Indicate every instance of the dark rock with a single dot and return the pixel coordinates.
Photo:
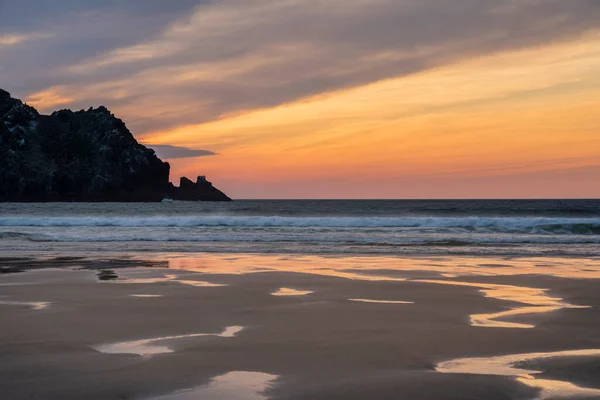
(99, 184)
(202, 190)
(80, 156)
(4, 94)
(107, 275)
(186, 184)
(9, 269)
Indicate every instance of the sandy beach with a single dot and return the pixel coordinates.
(299, 200)
(214, 326)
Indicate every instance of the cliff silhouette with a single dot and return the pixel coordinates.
(86, 155)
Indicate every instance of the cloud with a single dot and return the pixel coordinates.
(160, 65)
(48, 99)
(13, 39)
(77, 29)
(172, 152)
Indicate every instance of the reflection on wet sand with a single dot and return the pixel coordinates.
(423, 336)
(507, 366)
(34, 305)
(168, 278)
(490, 320)
(537, 302)
(291, 292)
(382, 301)
(247, 264)
(147, 347)
(233, 385)
(373, 268)
(353, 267)
(146, 295)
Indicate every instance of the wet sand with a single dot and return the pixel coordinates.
(412, 317)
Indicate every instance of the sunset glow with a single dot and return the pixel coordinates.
(498, 117)
(472, 120)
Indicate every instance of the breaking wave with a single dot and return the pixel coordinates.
(554, 226)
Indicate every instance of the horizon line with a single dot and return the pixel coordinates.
(425, 199)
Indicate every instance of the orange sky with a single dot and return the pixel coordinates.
(516, 124)
(498, 100)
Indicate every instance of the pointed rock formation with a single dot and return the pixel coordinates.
(202, 190)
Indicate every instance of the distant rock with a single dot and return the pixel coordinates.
(81, 156)
(202, 190)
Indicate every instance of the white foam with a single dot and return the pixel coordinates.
(512, 224)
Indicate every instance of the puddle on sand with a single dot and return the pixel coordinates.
(506, 366)
(374, 267)
(146, 347)
(146, 295)
(231, 386)
(291, 292)
(198, 283)
(536, 300)
(168, 278)
(34, 305)
(382, 301)
(490, 320)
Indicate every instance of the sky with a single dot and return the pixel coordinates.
(331, 98)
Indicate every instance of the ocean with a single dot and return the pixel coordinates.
(306, 299)
(569, 228)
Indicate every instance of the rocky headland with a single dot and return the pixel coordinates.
(86, 155)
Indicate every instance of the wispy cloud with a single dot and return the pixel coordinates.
(48, 99)
(227, 57)
(321, 89)
(173, 152)
(14, 39)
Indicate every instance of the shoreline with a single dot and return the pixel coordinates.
(321, 344)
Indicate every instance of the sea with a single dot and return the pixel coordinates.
(565, 228)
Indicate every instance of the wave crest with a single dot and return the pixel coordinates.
(579, 226)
